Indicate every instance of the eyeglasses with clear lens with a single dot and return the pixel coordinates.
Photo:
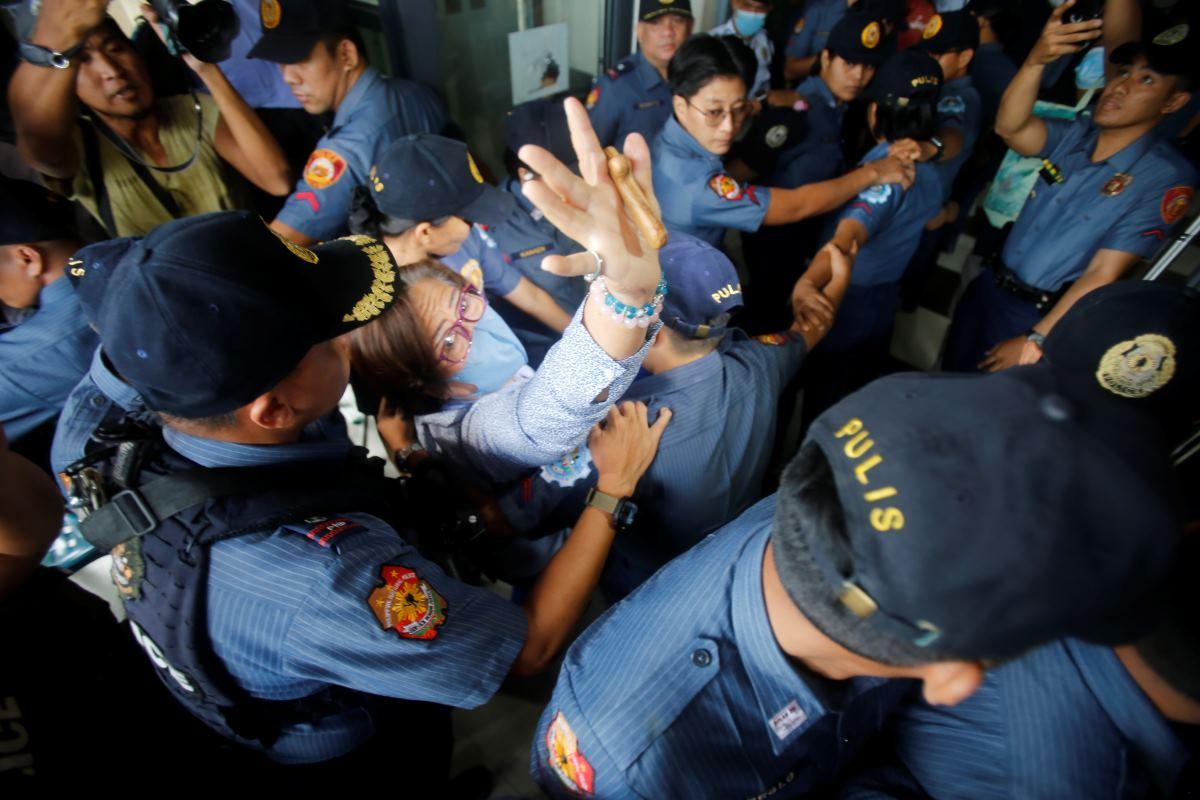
(455, 346)
(715, 116)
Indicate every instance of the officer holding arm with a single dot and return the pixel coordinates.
(633, 95)
(1111, 191)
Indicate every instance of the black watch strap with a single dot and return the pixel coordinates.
(45, 57)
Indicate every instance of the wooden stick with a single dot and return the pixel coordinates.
(635, 200)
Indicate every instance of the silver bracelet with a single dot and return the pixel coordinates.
(599, 267)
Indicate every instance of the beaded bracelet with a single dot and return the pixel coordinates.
(630, 315)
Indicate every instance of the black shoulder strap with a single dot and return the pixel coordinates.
(91, 155)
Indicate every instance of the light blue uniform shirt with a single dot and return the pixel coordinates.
(259, 82)
(288, 617)
(374, 113)
(681, 690)
(1066, 720)
(818, 155)
(100, 393)
(961, 108)
(697, 196)
(536, 418)
(710, 462)
(631, 97)
(812, 30)
(762, 47)
(42, 359)
(480, 261)
(894, 219)
(1138, 219)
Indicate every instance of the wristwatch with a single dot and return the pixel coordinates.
(621, 509)
(401, 456)
(45, 57)
(1037, 338)
(939, 144)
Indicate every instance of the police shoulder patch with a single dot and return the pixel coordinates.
(593, 96)
(472, 273)
(725, 186)
(951, 104)
(570, 469)
(877, 195)
(407, 604)
(324, 168)
(1176, 202)
(567, 762)
(1138, 367)
(773, 339)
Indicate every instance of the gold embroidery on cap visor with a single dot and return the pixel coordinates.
(1138, 367)
(271, 13)
(475, 173)
(297, 250)
(381, 293)
(871, 36)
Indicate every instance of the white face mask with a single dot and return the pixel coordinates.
(1055, 3)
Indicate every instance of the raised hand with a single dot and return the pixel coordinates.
(62, 24)
(1060, 39)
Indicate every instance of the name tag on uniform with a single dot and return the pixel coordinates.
(533, 251)
(787, 719)
(649, 104)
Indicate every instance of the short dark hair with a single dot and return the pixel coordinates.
(331, 39)
(915, 121)
(393, 356)
(702, 58)
(367, 218)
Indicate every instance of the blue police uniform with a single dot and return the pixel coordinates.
(1129, 202)
(375, 112)
(99, 396)
(959, 107)
(289, 616)
(818, 155)
(991, 72)
(630, 97)
(42, 359)
(524, 239)
(683, 691)
(762, 47)
(259, 82)
(479, 261)
(1066, 720)
(710, 461)
(812, 30)
(696, 194)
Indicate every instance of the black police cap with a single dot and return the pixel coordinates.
(950, 32)
(205, 314)
(291, 28)
(31, 213)
(426, 177)
(984, 515)
(543, 123)
(893, 11)
(652, 9)
(1170, 51)
(908, 78)
(858, 38)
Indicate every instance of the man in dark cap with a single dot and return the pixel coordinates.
(1123, 187)
(633, 95)
(43, 357)
(324, 62)
(907, 540)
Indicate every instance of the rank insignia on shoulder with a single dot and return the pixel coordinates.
(407, 604)
(725, 187)
(570, 469)
(1176, 202)
(1116, 184)
(1139, 367)
(593, 96)
(324, 530)
(566, 761)
(773, 339)
(324, 168)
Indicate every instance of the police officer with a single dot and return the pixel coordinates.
(633, 95)
(811, 32)
(43, 357)
(723, 388)
(1110, 193)
(324, 63)
(747, 21)
(709, 77)
(852, 54)
(526, 238)
(884, 224)
(304, 610)
(906, 541)
(1073, 718)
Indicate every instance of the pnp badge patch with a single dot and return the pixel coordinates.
(324, 168)
(933, 27)
(1116, 184)
(271, 13)
(799, 28)
(871, 35)
(593, 96)
(570, 469)
(1139, 367)
(772, 339)
(566, 761)
(407, 604)
(128, 569)
(1176, 203)
(1172, 36)
(475, 173)
(472, 273)
(725, 187)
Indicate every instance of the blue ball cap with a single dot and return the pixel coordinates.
(205, 314)
(908, 78)
(984, 516)
(702, 284)
(427, 177)
(950, 31)
(858, 38)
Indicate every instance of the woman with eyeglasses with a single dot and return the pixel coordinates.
(709, 78)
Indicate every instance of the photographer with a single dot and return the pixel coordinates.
(86, 118)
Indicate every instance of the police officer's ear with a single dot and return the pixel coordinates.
(965, 57)
(272, 412)
(347, 56)
(1180, 98)
(680, 104)
(826, 58)
(32, 264)
(948, 683)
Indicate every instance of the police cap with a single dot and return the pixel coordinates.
(950, 32)
(1170, 51)
(31, 213)
(652, 9)
(205, 314)
(1136, 342)
(858, 38)
(893, 11)
(426, 177)
(543, 123)
(291, 28)
(984, 515)
(704, 286)
(908, 78)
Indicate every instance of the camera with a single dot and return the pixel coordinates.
(206, 29)
(1084, 10)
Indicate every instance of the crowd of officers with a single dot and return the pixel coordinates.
(974, 582)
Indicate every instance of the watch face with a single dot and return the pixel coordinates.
(624, 515)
